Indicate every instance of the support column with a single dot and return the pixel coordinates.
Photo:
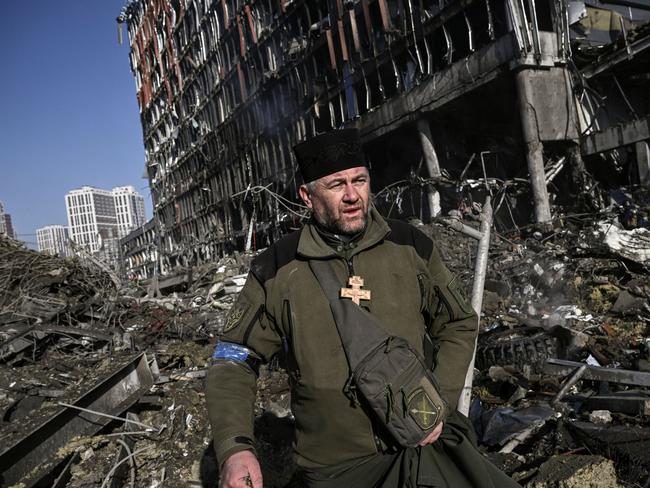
(643, 162)
(432, 163)
(534, 146)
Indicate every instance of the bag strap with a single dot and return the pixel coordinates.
(360, 331)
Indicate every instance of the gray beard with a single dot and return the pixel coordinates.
(339, 233)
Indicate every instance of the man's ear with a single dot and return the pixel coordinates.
(303, 191)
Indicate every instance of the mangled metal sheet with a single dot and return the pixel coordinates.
(32, 459)
(623, 376)
(32, 336)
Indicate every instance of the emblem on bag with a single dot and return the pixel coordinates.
(422, 409)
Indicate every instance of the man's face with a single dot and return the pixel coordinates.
(340, 200)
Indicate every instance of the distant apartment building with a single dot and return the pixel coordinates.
(129, 209)
(97, 219)
(6, 227)
(9, 227)
(53, 239)
(91, 217)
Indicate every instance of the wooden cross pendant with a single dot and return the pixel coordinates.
(355, 292)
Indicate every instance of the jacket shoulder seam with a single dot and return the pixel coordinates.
(405, 234)
(279, 254)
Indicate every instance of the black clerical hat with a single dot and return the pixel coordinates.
(329, 153)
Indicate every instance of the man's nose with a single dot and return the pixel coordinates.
(351, 194)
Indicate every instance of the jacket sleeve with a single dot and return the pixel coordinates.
(231, 379)
(454, 329)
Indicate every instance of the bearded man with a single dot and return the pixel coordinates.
(396, 279)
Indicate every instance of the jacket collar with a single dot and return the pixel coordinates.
(312, 245)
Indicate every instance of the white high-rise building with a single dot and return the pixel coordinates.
(92, 222)
(53, 239)
(98, 218)
(129, 209)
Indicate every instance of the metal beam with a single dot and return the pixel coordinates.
(560, 367)
(631, 405)
(617, 57)
(614, 137)
(461, 77)
(642, 4)
(31, 459)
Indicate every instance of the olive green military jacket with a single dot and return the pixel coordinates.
(283, 304)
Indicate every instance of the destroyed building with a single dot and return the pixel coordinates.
(140, 253)
(515, 92)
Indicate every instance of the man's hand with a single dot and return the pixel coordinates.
(241, 470)
(433, 436)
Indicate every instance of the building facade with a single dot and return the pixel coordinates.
(92, 219)
(53, 239)
(9, 227)
(441, 91)
(140, 253)
(3, 224)
(98, 218)
(129, 209)
(6, 225)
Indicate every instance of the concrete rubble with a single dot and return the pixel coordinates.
(577, 471)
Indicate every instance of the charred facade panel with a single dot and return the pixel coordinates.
(612, 58)
(140, 253)
(441, 90)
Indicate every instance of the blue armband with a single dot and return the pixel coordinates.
(233, 352)
(229, 351)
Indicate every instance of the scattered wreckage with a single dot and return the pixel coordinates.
(101, 382)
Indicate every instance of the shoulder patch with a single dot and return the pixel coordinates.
(234, 317)
(406, 235)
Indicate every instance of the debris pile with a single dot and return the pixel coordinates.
(38, 288)
(109, 376)
(561, 395)
(101, 384)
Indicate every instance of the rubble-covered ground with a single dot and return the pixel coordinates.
(578, 293)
